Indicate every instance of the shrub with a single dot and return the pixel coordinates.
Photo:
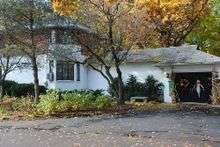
(18, 90)
(103, 102)
(76, 101)
(80, 100)
(49, 103)
(4, 114)
(134, 88)
(23, 104)
(151, 88)
(92, 93)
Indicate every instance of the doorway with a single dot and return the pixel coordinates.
(194, 87)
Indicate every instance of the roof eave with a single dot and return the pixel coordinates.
(185, 64)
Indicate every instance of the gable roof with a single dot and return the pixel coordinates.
(182, 55)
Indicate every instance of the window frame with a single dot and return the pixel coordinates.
(66, 71)
(78, 72)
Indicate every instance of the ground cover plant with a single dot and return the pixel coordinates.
(71, 104)
(55, 103)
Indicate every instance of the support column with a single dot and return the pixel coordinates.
(168, 87)
(215, 88)
(173, 91)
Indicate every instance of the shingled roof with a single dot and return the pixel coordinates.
(182, 55)
(55, 21)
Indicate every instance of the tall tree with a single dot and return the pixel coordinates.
(109, 43)
(207, 33)
(172, 20)
(22, 21)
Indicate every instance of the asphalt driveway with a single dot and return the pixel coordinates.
(185, 129)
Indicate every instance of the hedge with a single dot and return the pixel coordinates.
(18, 90)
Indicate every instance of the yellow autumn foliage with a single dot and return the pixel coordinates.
(168, 21)
(66, 7)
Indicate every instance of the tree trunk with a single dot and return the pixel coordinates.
(36, 80)
(114, 52)
(120, 86)
(3, 77)
(2, 86)
(121, 91)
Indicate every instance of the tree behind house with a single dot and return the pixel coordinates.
(169, 22)
(206, 34)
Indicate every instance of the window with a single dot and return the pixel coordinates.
(63, 37)
(65, 70)
(78, 71)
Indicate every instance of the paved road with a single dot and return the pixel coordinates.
(186, 129)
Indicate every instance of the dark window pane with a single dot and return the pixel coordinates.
(59, 71)
(65, 70)
(71, 72)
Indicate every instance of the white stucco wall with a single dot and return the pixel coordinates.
(140, 70)
(70, 84)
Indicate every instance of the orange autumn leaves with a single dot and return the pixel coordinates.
(66, 7)
(168, 21)
(70, 7)
(171, 8)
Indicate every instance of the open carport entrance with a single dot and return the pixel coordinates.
(194, 87)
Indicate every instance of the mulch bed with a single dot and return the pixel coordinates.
(202, 107)
(116, 110)
(119, 110)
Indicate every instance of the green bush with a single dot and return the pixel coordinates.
(76, 101)
(23, 104)
(103, 102)
(49, 103)
(94, 93)
(18, 90)
(4, 113)
(151, 88)
(134, 88)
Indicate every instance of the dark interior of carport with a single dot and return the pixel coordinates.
(186, 86)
